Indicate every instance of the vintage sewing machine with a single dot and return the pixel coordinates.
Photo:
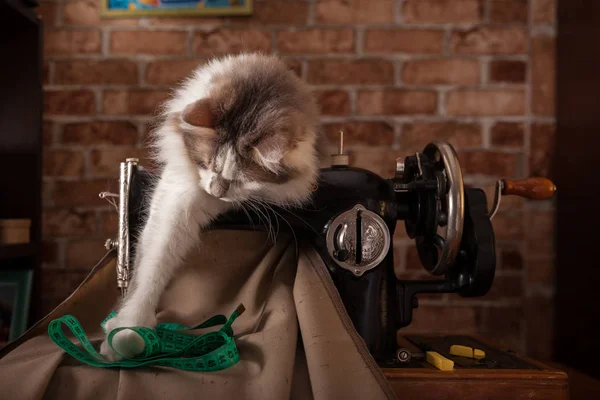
(351, 221)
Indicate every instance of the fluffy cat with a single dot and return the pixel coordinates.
(239, 128)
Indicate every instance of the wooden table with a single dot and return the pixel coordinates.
(424, 382)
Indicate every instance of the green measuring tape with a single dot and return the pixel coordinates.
(167, 345)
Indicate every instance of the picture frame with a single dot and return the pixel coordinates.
(15, 300)
(174, 8)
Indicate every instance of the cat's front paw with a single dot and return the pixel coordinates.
(125, 343)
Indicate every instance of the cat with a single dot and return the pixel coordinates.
(239, 128)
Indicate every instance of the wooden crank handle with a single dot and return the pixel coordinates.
(530, 188)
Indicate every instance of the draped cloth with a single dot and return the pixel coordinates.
(295, 338)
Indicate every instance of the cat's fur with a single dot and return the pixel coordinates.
(239, 128)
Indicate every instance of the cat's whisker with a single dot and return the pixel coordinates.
(241, 205)
(291, 229)
(288, 224)
(299, 218)
(264, 220)
(268, 208)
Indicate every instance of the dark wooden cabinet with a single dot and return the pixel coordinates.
(577, 175)
(21, 99)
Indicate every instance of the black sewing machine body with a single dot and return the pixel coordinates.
(354, 209)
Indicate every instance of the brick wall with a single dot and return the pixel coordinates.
(392, 74)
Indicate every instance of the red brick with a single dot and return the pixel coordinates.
(415, 136)
(508, 227)
(413, 261)
(540, 272)
(361, 133)
(46, 73)
(148, 42)
(544, 11)
(508, 11)
(48, 192)
(109, 223)
(511, 259)
(60, 283)
(333, 102)
(442, 11)
(486, 102)
(540, 237)
(508, 134)
(316, 41)
(170, 72)
(346, 72)
(488, 163)
(87, 13)
(62, 42)
(355, 11)
(442, 71)
(449, 320)
(48, 134)
(294, 65)
(503, 325)
(193, 22)
(539, 320)
(100, 133)
(417, 41)
(543, 142)
(228, 41)
(47, 12)
(84, 253)
(381, 162)
(69, 102)
(68, 223)
(514, 203)
(87, 72)
(397, 102)
(49, 252)
(105, 163)
(83, 193)
(508, 71)
(490, 40)
(504, 319)
(505, 287)
(543, 71)
(63, 163)
(133, 102)
(276, 12)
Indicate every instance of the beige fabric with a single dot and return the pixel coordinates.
(295, 338)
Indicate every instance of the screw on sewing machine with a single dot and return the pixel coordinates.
(110, 244)
(404, 355)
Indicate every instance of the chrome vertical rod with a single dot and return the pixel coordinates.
(123, 270)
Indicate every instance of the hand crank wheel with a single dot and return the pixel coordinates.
(451, 199)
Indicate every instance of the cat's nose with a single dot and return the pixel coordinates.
(219, 186)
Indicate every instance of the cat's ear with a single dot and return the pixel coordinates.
(200, 114)
(270, 150)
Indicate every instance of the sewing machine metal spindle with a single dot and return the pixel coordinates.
(121, 243)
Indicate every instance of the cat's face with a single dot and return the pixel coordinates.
(253, 136)
(240, 170)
